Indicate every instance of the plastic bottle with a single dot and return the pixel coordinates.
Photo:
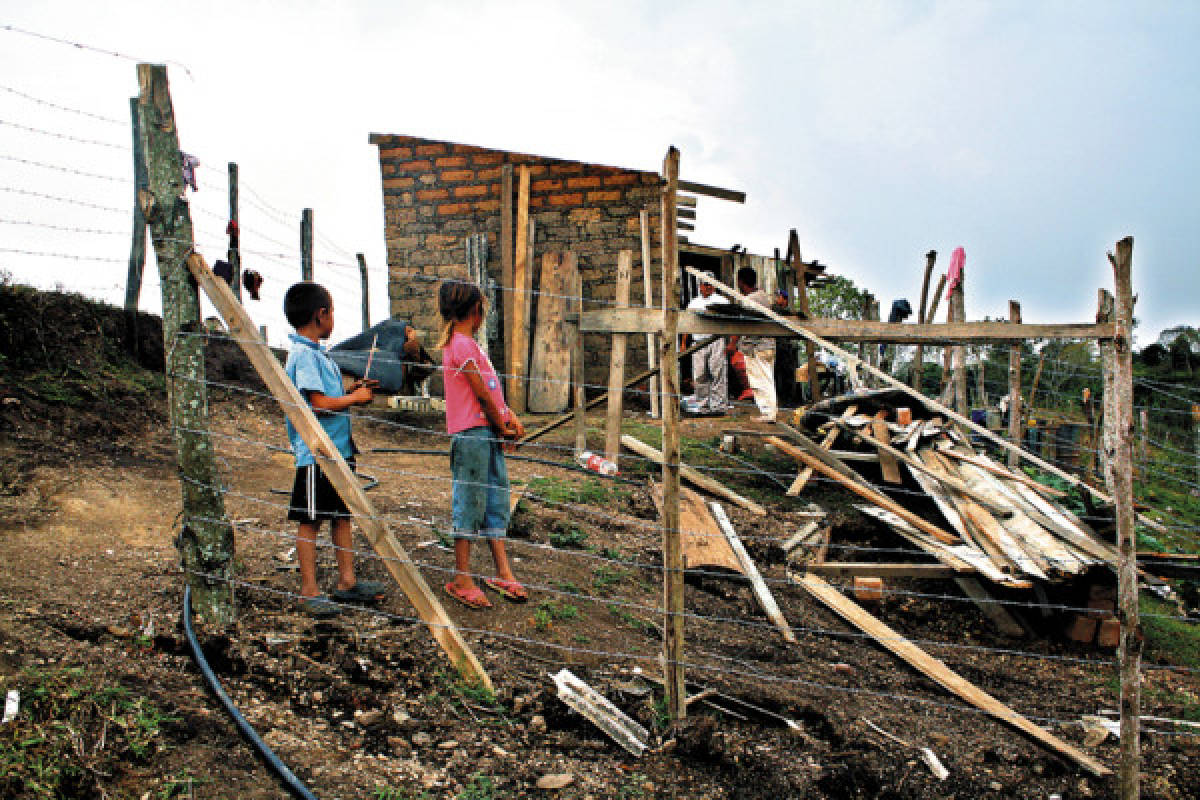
(596, 463)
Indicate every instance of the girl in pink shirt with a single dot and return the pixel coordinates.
(481, 426)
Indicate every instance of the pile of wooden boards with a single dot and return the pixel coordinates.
(989, 520)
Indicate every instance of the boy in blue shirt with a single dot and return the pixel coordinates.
(309, 309)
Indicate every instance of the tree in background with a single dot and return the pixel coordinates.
(838, 298)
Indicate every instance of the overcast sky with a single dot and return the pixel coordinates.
(1034, 134)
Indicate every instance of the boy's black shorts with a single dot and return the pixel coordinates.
(313, 497)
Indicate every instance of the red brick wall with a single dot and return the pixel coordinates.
(436, 193)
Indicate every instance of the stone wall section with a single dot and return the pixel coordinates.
(436, 193)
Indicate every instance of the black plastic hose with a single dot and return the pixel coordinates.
(285, 775)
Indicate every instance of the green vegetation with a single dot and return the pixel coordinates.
(629, 619)
(390, 793)
(550, 611)
(480, 787)
(588, 491)
(604, 578)
(567, 536)
(1172, 640)
(72, 731)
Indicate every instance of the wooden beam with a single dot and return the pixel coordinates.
(866, 492)
(685, 200)
(394, 557)
(648, 296)
(939, 673)
(1005, 622)
(919, 356)
(731, 195)
(850, 569)
(685, 213)
(765, 599)
(366, 294)
(673, 609)
(577, 376)
(506, 262)
(306, 240)
(641, 320)
(694, 477)
(793, 249)
(234, 251)
(827, 443)
(1119, 382)
(137, 246)
(1014, 385)
(1049, 491)
(616, 362)
(520, 317)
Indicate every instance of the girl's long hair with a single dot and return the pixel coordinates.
(456, 301)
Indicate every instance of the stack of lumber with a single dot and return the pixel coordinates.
(989, 520)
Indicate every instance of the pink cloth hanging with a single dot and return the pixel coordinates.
(954, 275)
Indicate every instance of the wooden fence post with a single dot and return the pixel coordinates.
(918, 362)
(506, 264)
(519, 335)
(648, 283)
(672, 542)
(1121, 435)
(1196, 438)
(1144, 434)
(959, 310)
(137, 249)
(616, 364)
(1014, 386)
(234, 253)
(366, 296)
(206, 536)
(577, 373)
(1108, 398)
(801, 278)
(306, 234)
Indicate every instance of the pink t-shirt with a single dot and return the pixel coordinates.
(463, 409)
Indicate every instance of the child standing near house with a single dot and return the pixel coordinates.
(480, 423)
(308, 307)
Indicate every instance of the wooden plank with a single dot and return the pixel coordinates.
(550, 358)
(521, 301)
(827, 443)
(616, 363)
(577, 376)
(648, 294)
(694, 477)
(673, 652)
(996, 469)
(765, 599)
(801, 278)
(940, 674)
(996, 613)
(701, 539)
(918, 364)
(850, 569)
(712, 191)
(506, 260)
(865, 492)
(394, 557)
(557, 422)
(306, 238)
(365, 289)
(137, 247)
(641, 320)
(887, 454)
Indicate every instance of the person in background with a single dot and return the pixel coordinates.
(480, 423)
(759, 351)
(308, 307)
(710, 373)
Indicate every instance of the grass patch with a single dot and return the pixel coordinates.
(588, 491)
(71, 732)
(549, 612)
(567, 536)
(604, 578)
(629, 619)
(1174, 641)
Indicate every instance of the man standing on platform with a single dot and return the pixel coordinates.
(710, 374)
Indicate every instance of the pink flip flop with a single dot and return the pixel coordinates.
(510, 590)
(471, 598)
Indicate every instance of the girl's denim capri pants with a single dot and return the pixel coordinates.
(480, 506)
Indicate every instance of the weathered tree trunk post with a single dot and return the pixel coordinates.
(1014, 386)
(958, 308)
(1196, 438)
(306, 234)
(1121, 437)
(616, 364)
(137, 249)
(234, 255)
(1108, 399)
(577, 375)
(1144, 433)
(206, 537)
(672, 543)
(918, 362)
(366, 295)
(801, 278)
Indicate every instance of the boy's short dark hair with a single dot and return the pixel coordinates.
(303, 300)
(748, 276)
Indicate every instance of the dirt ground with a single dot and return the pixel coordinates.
(367, 706)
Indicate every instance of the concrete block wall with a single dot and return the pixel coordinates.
(436, 193)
